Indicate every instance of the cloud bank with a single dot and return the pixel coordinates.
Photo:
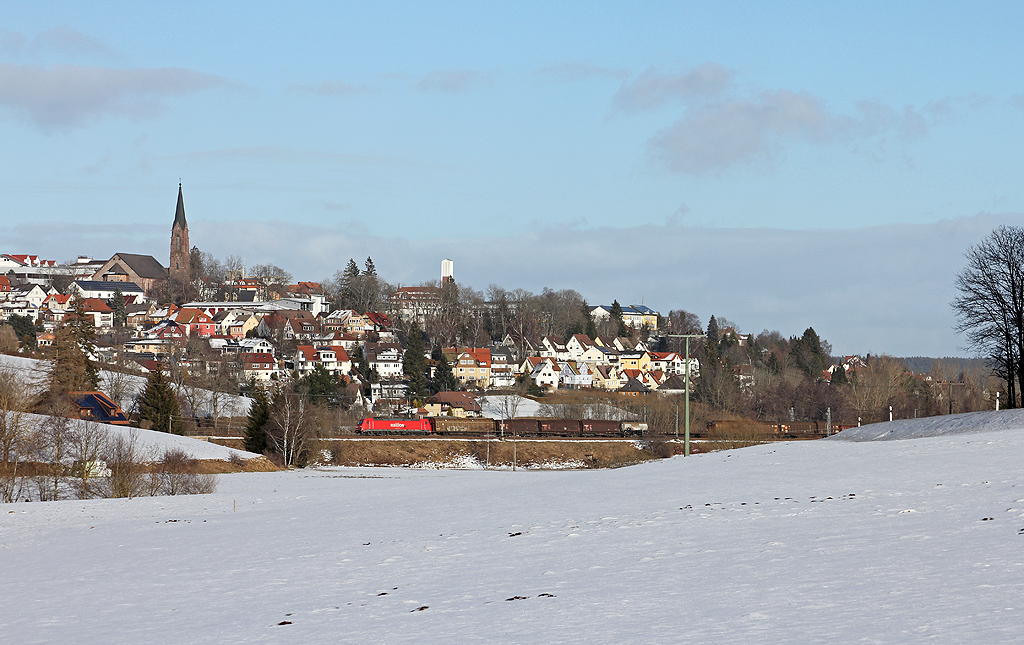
(70, 96)
(723, 126)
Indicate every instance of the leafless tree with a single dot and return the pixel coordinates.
(288, 429)
(990, 307)
(88, 442)
(15, 398)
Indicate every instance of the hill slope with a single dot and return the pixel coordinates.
(884, 541)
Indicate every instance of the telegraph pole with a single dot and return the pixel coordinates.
(686, 400)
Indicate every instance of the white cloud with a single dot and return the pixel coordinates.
(67, 40)
(68, 96)
(579, 71)
(713, 137)
(652, 89)
(453, 81)
(332, 88)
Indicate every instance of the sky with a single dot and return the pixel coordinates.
(783, 165)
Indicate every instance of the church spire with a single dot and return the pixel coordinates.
(179, 213)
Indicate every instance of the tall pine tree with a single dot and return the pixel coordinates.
(414, 364)
(158, 404)
(256, 425)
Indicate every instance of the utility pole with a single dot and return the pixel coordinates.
(686, 400)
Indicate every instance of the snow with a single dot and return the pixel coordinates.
(35, 371)
(152, 443)
(971, 422)
(815, 541)
(495, 407)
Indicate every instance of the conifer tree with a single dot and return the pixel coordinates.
(444, 380)
(616, 312)
(72, 369)
(117, 305)
(158, 404)
(256, 425)
(414, 363)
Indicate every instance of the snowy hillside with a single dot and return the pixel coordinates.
(818, 541)
(35, 371)
(971, 422)
(152, 444)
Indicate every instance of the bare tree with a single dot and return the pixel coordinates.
(88, 442)
(288, 429)
(15, 399)
(990, 307)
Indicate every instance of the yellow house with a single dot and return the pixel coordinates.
(634, 361)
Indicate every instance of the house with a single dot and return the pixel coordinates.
(605, 377)
(455, 404)
(102, 315)
(633, 316)
(472, 365)
(307, 357)
(236, 322)
(97, 406)
(195, 322)
(632, 360)
(574, 375)
(577, 346)
(143, 270)
(416, 303)
(386, 358)
(546, 374)
(673, 363)
(553, 347)
(634, 387)
(105, 290)
(260, 367)
(503, 368)
(312, 291)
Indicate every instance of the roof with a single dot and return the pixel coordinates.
(456, 400)
(103, 285)
(179, 212)
(97, 406)
(145, 266)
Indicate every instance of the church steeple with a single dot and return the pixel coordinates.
(179, 268)
(179, 213)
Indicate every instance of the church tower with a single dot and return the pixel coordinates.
(180, 265)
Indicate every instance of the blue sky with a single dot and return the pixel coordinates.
(779, 164)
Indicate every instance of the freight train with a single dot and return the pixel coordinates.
(482, 427)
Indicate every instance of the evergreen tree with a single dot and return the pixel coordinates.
(839, 375)
(809, 354)
(444, 379)
(72, 369)
(318, 386)
(350, 283)
(256, 426)
(713, 335)
(616, 311)
(414, 363)
(117, 306)
(158, 404)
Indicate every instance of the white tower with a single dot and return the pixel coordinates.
(447, 271)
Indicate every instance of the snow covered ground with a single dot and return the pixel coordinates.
(495, 407)
(34, 371)
(152, 444)
(818, 541)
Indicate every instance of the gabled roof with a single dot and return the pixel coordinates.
(106, 285)
(633, 385)
(456, 400)
(97, 406)
(145, 266)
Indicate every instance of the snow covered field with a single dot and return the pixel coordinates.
(819, 541)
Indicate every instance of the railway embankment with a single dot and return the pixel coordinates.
(434, 452)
